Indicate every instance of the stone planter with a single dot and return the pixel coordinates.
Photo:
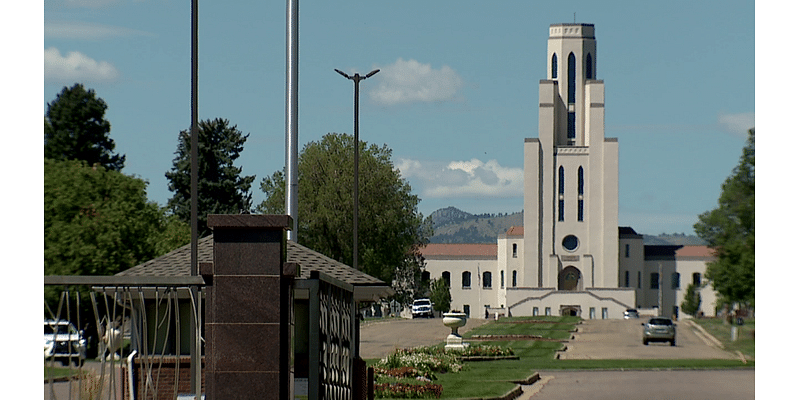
(455, 321)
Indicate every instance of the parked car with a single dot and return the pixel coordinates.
(422, 308)
(630, 313)
(63, 342)
(658, 329)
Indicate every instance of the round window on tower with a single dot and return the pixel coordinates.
(570, 243)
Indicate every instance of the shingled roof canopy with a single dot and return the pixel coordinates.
(177, 263)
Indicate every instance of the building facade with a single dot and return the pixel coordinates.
(571, 257)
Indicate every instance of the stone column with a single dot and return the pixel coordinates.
(249, 313)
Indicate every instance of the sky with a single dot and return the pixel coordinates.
(456, 95)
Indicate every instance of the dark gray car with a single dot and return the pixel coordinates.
(658, 329)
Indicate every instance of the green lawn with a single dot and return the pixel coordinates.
(746, 342)
(495, 378)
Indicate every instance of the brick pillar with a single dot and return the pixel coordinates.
(249, 309)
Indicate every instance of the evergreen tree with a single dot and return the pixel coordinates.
(440, 295)
(731, 230)
(75, 128)
(220, 185)
(691, 300)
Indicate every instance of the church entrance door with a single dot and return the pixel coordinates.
(569, 279)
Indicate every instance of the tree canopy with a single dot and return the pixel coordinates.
(221, 187)
(99, 222)
(75, 128)
(391, 230)
(440, 295)
(731, 230)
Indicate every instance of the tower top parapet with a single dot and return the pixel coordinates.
(585, 31)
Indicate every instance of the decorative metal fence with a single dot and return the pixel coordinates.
(332, 338)
(140, 328)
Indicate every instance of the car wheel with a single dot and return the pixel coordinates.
(672, 342)
(644, 342)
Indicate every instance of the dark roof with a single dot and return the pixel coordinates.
(628, 232)
(660, 252)
(177, 263)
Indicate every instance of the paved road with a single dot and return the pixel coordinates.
(378, 339)
(622, 339)
(707, 385)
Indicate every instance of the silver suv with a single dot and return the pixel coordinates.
(658, 329)
(63, 342)
(422, 308)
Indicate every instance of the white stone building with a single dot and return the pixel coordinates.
(572, 258)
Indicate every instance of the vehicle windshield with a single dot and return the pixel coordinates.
(422, 302)
(660, 321)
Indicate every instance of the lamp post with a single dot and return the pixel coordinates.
(356, 78)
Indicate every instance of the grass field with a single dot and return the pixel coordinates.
(746, 341)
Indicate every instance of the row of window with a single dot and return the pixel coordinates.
(486, 281)
(561, 193)
(654, 280)
(571, 74)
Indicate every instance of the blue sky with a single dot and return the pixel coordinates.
(455, 98)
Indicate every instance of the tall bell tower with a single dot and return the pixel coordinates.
(571, 172)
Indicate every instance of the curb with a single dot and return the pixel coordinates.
(699, 329)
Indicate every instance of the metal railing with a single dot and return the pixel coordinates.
(136, 323)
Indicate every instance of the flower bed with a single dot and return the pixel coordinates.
(422, 364)
(408, 391)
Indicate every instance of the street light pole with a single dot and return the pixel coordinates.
(356, 78)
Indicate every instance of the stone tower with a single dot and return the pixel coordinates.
(571, 173)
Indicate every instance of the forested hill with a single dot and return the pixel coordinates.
(452, 225)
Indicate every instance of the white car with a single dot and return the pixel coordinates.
(63, 342)
(422, 308)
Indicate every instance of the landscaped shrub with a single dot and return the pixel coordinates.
(408, 391)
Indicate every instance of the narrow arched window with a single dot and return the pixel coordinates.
(561, 193)
(571, 78)
(580, 193)
(487, 280)
(554, 66)
(514, 278)
(446, 277)
(589, 67)
(466, 279)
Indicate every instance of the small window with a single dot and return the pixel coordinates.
(466, 279)
(627, 251)
(604, 312)
(592, 313)
(638, 279)
(676, 280)
(571, 128)
(514, 278)
(654, 280)
(554, 66)
(547, 311)
(535, 311)
(446, 277)
(502, 279)
(696, 279)
(589, 67)
(627, 279)
(561, 193)
(514, 250)
(487, 280)
(466, 310)
(571, 78)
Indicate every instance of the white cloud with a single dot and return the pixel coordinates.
(472, 178)
(737, 124)
(410, 81)
(76, 66)
(87, 30)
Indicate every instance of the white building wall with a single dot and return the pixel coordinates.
(475, 296)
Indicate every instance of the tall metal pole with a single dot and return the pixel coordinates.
(356, 79)
(292, 10)
(355, 172)
(195, 369)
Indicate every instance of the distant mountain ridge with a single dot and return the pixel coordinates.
(451, 225)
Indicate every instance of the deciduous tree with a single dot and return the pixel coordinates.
(691, 300)
(221, 187)
(731, 230)
(75, 128)
(391, 230)
(440, 295)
